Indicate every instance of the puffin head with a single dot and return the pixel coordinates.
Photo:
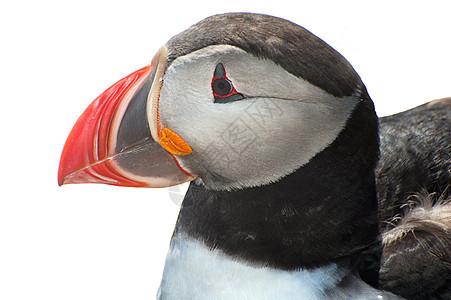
(236, 101)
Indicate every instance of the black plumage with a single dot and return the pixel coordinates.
(415, 156)
(413, 183)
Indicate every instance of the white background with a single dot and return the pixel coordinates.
(103, 242)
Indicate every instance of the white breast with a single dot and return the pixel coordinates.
(193, 271)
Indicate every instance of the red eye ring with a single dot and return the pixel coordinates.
(222, 87)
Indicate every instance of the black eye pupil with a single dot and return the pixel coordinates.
(222, 86)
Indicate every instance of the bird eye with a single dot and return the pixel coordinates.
(222, 87)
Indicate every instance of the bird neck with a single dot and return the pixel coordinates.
(323, 212)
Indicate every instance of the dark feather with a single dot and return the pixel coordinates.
(413, 178)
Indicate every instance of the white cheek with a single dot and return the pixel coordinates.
(253, 141)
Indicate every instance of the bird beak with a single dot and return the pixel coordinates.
(119, 139)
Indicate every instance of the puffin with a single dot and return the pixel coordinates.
(279, 139)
